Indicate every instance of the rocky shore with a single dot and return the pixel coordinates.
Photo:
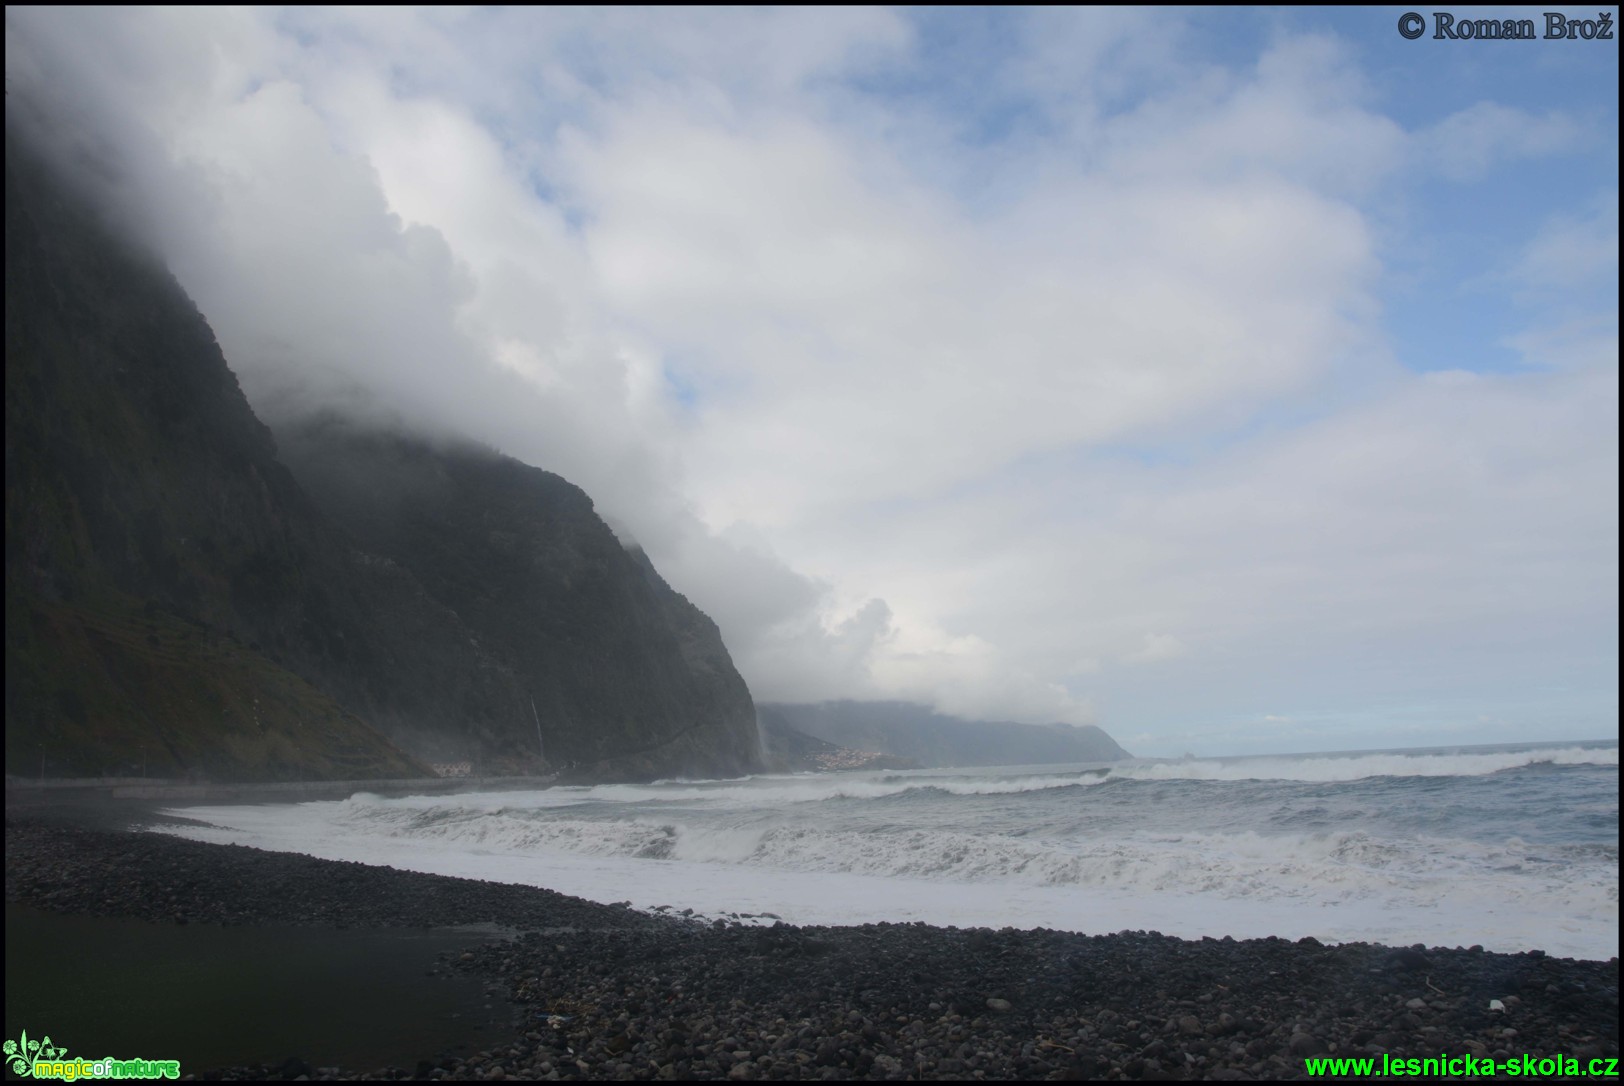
(598, 991)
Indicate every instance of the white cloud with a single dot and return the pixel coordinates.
(1156, 647)
(1467, 144)
(1574, 252)
(1568, 275)
(915, 398)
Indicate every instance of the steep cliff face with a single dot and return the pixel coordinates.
(163, 592)
(174, 598)
(622, 675)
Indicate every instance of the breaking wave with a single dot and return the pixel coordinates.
(1321, 867)
(821, 788)
(1512, 848)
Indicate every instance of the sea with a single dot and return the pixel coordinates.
(1511, 847)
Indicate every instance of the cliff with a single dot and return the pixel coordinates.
(176, 602)
(622, 675)
(932, 739)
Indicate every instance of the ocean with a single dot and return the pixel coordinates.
(1509, 847)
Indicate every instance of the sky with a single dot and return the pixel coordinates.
(1238, 381)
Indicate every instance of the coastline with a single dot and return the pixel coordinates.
(583, 990)
(134, 797)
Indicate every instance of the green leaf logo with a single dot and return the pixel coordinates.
(21, 1054)
(17, 1053)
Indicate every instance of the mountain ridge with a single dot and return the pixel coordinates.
(932, 739)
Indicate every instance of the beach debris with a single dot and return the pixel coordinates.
(1496, 1005)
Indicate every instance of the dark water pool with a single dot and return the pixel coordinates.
(213, 996)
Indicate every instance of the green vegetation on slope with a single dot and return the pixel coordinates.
(112, 686)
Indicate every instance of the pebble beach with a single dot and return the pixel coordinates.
(584, 990)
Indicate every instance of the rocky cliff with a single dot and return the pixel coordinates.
(932, 739)
(177, 603)
(622, 675)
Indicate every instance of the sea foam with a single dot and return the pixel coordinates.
(1511, 849)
